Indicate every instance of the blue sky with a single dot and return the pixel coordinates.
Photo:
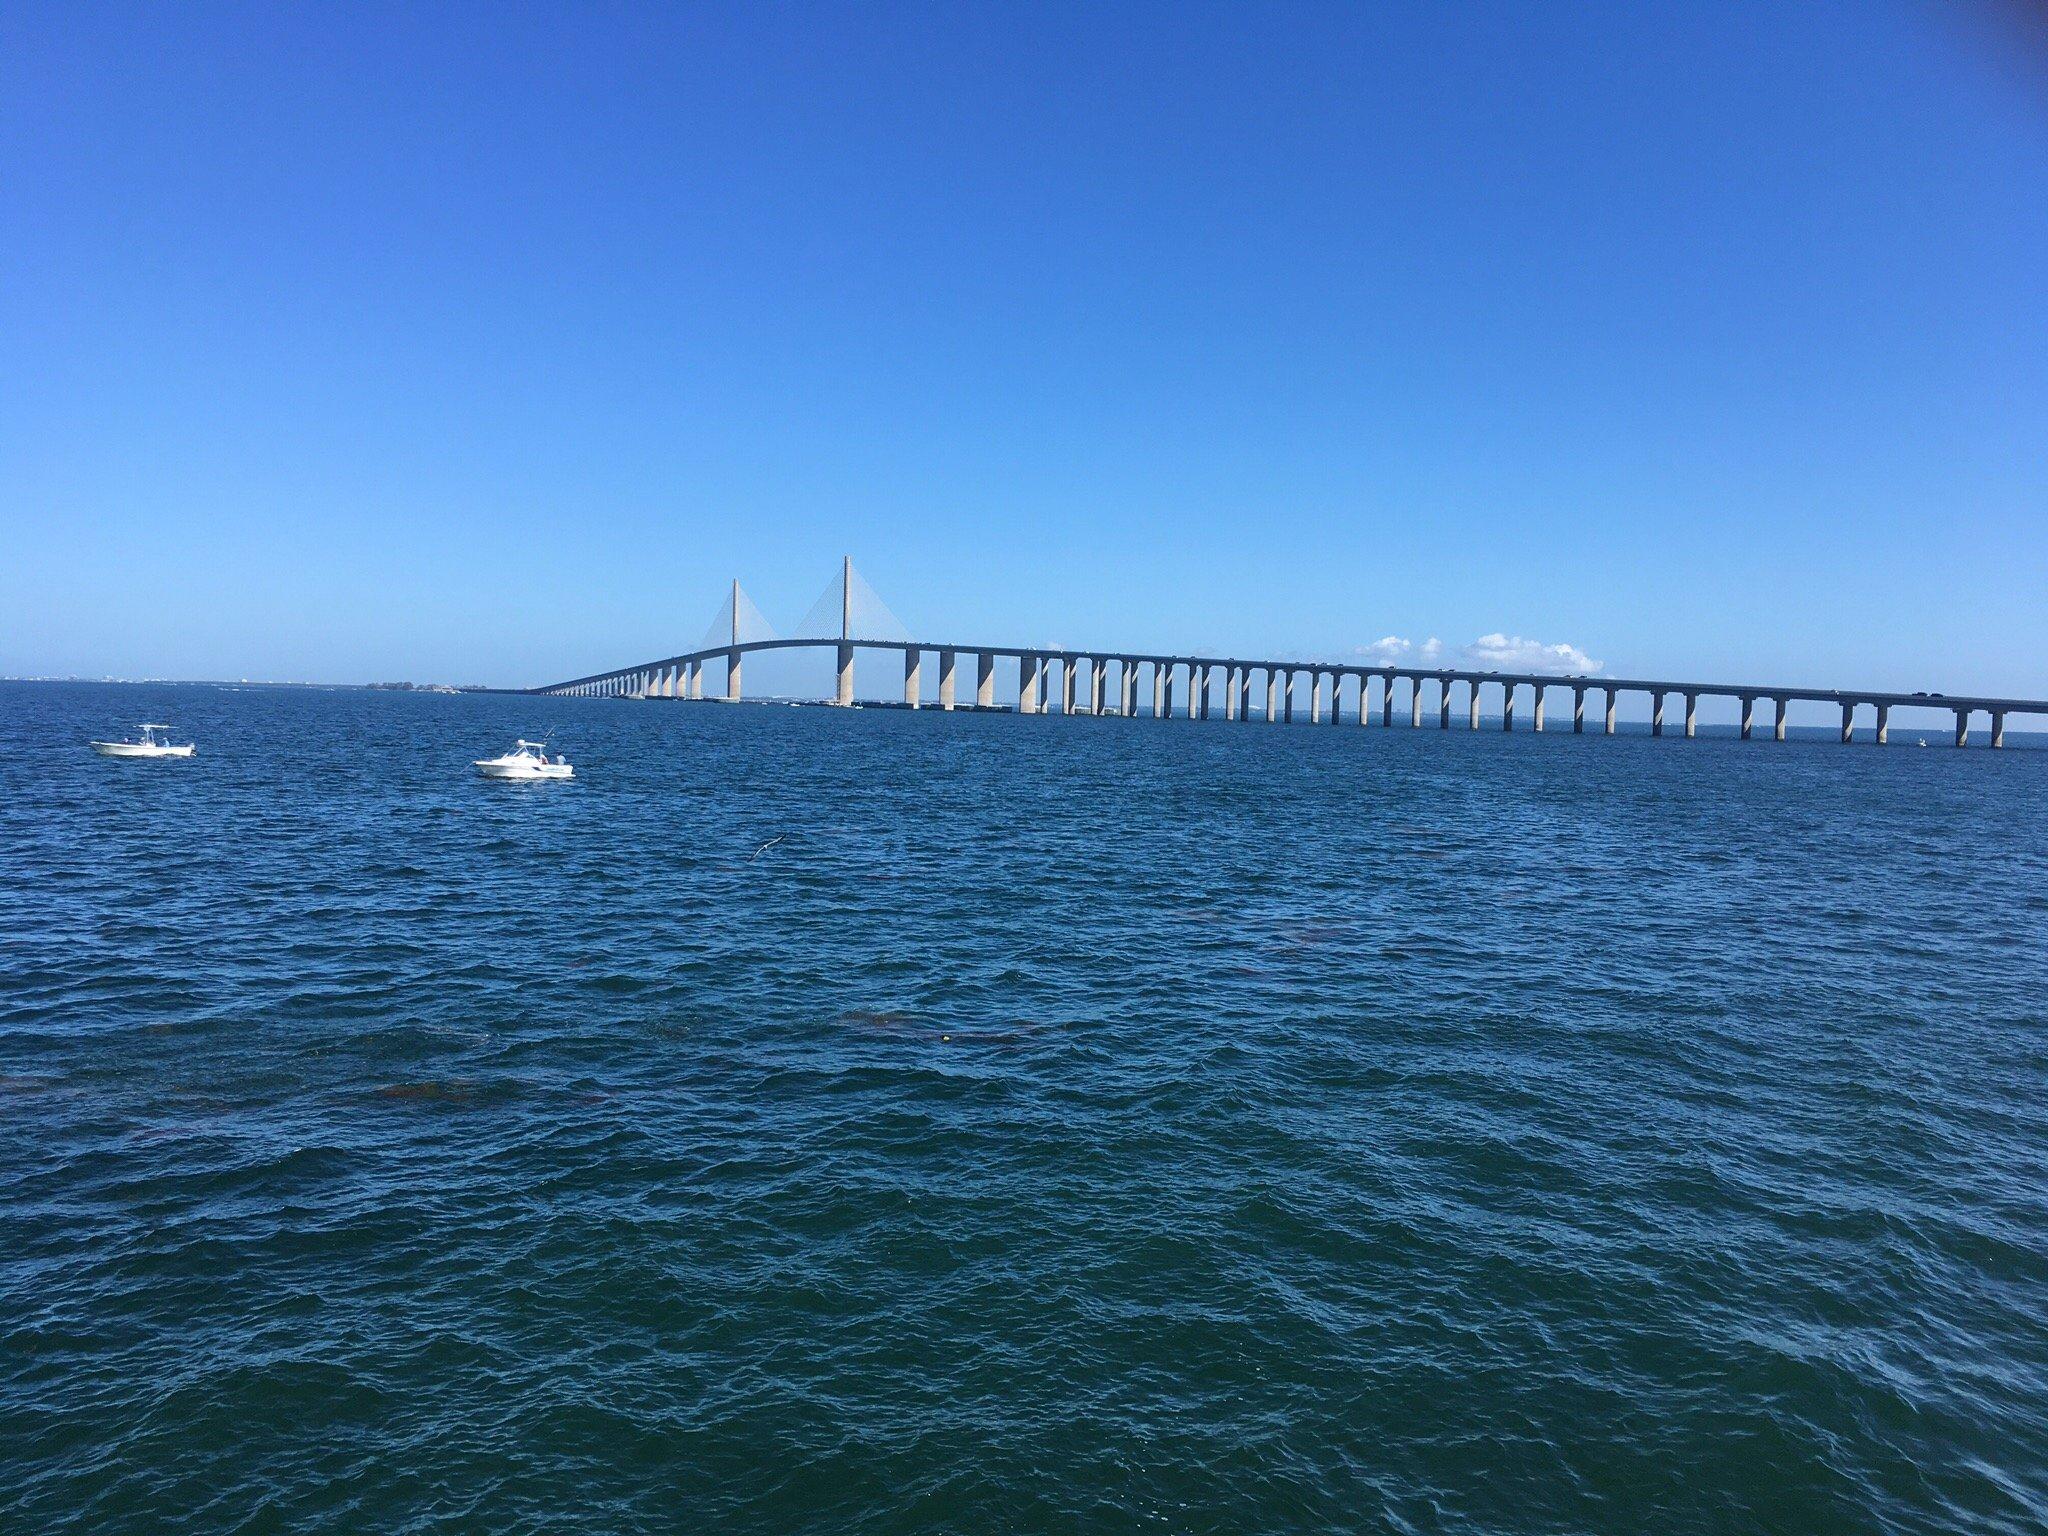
(488, 343)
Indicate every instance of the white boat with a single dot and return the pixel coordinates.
(526, 760)
(154, 741)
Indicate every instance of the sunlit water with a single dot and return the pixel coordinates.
(864, 1122)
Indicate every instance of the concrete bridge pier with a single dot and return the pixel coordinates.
(1748, 714)
(985, 679)
(1230, 693)
(1315, 698)
(1778, 730)
(1443, 703)
(1692, 715)
(1962, 727)
(1027, 685)
(1244, 694)
(1507, 706)
(1127, 679)
(1098, 683)
(1162, 682)
(1998, 727)
(732, 676)
(1387, 701)
(1068, 680)
(1656, 714)
(913, 676)
(1536, 713)
(1578, 711)
(947, 659)
(1884, 724)
(1472, 705)
(1272, 695)
(844, 697)
(1414, 703)
(1610, 711)
(1287, 696)
(1848, 721)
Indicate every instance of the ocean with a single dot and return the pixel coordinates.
(872, 1122)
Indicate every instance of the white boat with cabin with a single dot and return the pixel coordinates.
(526, 760)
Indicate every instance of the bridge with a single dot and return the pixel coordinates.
(1075, 682)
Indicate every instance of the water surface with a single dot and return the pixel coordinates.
(864, 1122)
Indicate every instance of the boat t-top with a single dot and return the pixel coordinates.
(526, 760)
(152, 741)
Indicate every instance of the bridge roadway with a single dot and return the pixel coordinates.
(682, 676)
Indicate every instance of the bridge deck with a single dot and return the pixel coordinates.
(1850, 697)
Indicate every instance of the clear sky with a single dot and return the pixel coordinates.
(488, 343)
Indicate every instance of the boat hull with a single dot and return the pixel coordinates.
(138, 749)
(511, 771)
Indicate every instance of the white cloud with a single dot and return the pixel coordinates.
(1515, 653)
(1495, 653)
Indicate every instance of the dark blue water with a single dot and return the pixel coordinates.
(864, 1122)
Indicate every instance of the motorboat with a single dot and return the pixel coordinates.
(151, 741)
(526, 760)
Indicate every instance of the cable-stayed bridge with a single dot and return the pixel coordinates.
(850, 617)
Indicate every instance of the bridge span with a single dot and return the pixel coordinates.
(1113, 683)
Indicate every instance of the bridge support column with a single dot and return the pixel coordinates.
(1287, 696)
(1507, 706)
(1127, 677)
(1414, 703)
(947, 659)
(1748, 714)
(1443, 704)
(1098, 683)
(1962, 727)
(1692, 715)
(1387, 701)
(1472, 704)
(1578, 711)
(1998, 727)
(1848, 721)
(1884, 724)
(845, 696)
(1027, 685)
(1069, 683)
(1536, 714)
(1610, 711)
(1272, 694)
(1778, 730)
(913, 676)
(1315, 698)
(1656, 714)
(1244, 693)
(732, 676)
(984, 680)
(1162, 688)
(1230, 693)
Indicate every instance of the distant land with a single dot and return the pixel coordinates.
(262, 682)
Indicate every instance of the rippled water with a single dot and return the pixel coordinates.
(863, 1122)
